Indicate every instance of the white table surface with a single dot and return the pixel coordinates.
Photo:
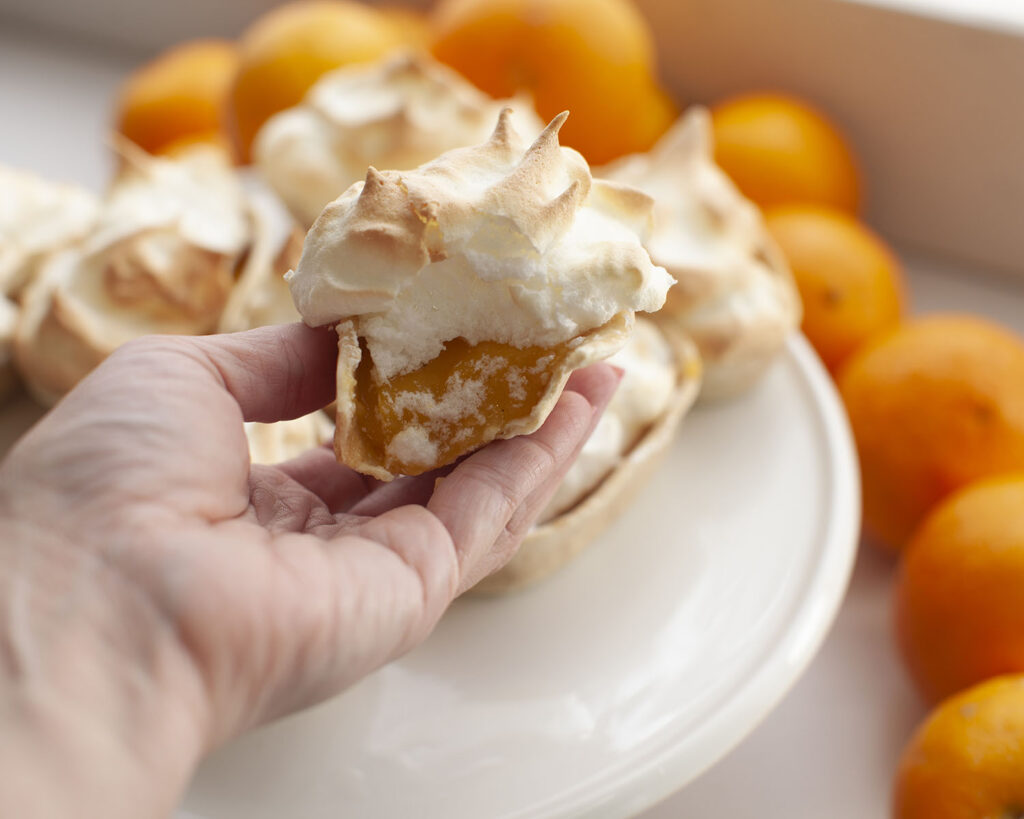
(830, 748)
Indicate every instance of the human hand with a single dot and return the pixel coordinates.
(161, 594)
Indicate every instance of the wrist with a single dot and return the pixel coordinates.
(101, 714)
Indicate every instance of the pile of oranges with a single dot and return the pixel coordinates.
(595, 57)
(936, 404)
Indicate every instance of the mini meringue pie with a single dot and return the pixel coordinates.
(466, 291)
(735, 294)
(37, 216)
(661, 378)
(284, 440)
(261, 296)
(397, 113)
(161, 259)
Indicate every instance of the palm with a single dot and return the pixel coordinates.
(280, 584)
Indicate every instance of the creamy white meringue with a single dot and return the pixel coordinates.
(284, 440)
(735, 294)
(160, 260)
(37, 216)
(650, 375)
(503, 243)
(397, 113)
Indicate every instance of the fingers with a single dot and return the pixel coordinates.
(274, 373)
(402, 491)
(493, 496)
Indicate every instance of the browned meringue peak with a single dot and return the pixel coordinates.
(284, 440)
(37, 216)
(467, 291)
(397, 113)
(735, 294)
(261, 296)
(162, 259)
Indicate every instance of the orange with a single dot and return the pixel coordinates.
(850, 282)
(967, 760)
(934, 405)
(413, 26)
(593, 58)
(960, 592)
(178, 98)
(286, 50)
(779, 150)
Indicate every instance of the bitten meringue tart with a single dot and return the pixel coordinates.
(466, 291)
(735, 294)
(397, 113)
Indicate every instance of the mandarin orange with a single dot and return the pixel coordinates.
(934, 405)
(967, 760)
(850, 282)
(178, 98)
(780, 150)
(594, 58)
(288, 49)
(960, 591)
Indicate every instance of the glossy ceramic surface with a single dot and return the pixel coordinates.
(615, 682)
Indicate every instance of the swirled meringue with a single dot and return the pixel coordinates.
(397, 113)
(467, 291)
(161, 259)
(735, 295)
(37, 216)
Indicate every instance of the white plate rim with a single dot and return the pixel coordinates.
(667, 769)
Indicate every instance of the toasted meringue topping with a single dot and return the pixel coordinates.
(500, 242)
(196, 195)
(398, 113)
(161, 260)
(465, 293)
(37, 216)
(735, 294)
